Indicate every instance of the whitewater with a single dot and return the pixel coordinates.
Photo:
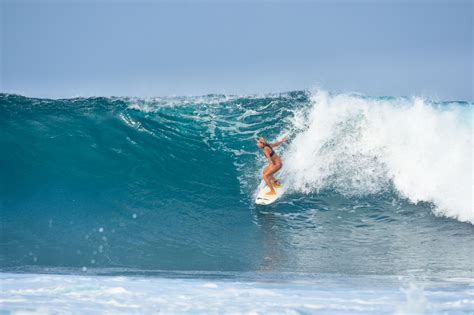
(132, 205)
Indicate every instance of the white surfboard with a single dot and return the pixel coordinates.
(264, 199)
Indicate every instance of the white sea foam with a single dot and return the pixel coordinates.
(358, 146)
(89, 294)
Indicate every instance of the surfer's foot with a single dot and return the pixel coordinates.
(274, 181)
(271, 193)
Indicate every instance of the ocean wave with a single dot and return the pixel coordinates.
(169, 183)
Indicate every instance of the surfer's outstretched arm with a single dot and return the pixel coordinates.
(275, 144)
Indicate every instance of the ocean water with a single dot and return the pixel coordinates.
(129, 205)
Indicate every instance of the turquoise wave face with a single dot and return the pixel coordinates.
(169, 184)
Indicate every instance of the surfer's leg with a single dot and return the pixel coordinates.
(266, 169)
(271, 171)
(275, 181)
(266, 178)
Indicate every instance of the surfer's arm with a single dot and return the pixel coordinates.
(275, 144)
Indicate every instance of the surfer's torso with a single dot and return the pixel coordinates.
(273, 156)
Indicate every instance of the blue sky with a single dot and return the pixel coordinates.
(154, 48)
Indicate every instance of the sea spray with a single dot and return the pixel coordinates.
(358, 145)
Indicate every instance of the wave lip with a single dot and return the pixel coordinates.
(360, 145)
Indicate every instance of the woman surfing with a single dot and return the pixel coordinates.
(274, 163)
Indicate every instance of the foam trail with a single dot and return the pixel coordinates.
(358, 146)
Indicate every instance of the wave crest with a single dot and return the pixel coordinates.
(359, 145)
